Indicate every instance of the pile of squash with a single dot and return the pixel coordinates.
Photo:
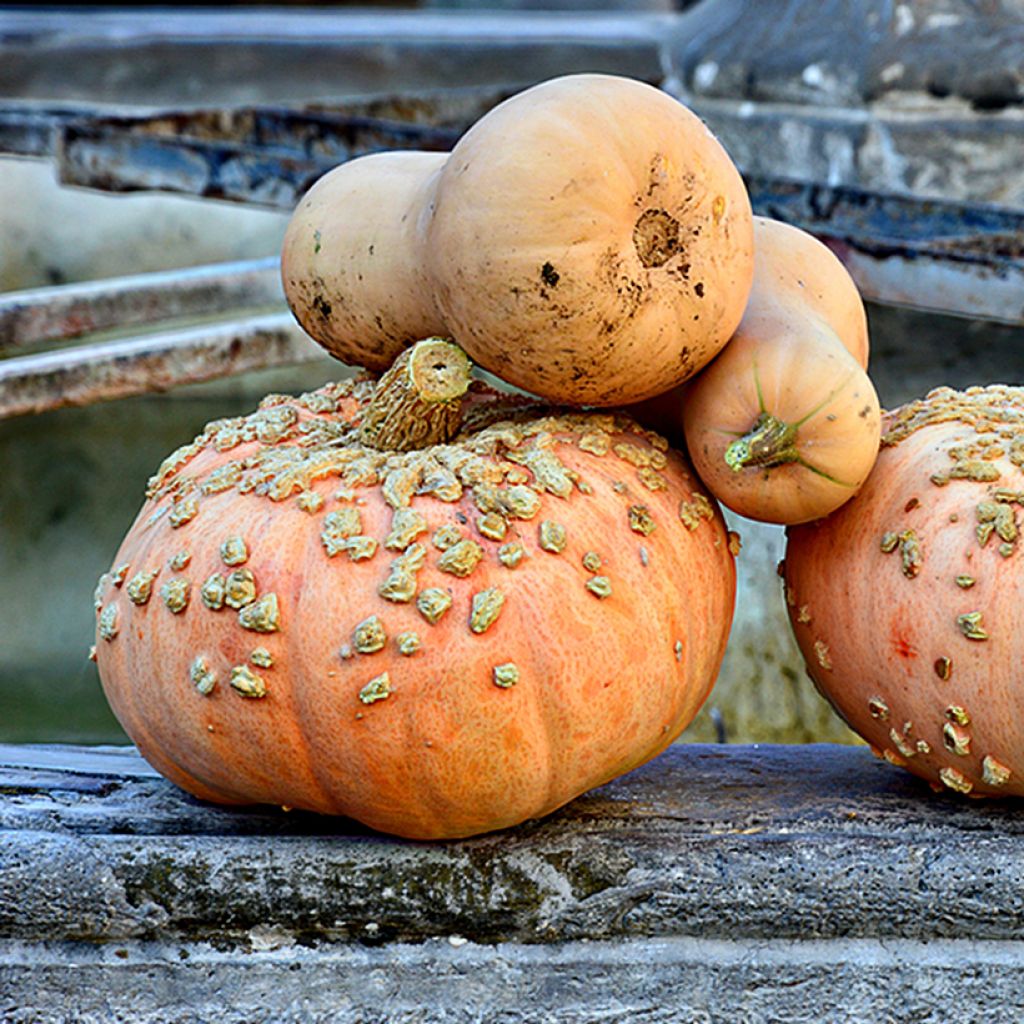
(443, 607)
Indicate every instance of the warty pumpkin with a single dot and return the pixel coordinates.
(783, 426)
(352, 260)
(906, 601)
(339, 603)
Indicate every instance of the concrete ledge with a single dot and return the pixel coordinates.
(295, 56)
(653, 981)
(932, 149)
(854, 52)
(926, 98)
(784, 883)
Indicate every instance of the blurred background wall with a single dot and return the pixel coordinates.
(923, 98)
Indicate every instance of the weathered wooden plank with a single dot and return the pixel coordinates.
(745, 884)
(52, 761)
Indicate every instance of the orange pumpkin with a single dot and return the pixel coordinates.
(783, 426)
(439, 637)
(906, 601)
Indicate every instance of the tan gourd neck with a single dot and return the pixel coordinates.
(418, 401)
(770, 442)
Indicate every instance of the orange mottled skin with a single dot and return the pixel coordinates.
(601, 689)
(879, 628)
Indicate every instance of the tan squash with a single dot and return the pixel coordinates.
(807, 275)
(591, 241)
(906, 601)
(804, 273)
(336, 604)
(783, 426)
(352, 261)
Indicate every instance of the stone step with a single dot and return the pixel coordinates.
(780, 882)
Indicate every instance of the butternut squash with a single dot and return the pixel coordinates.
(352, 258)
(803, 272)
(591, 241)
(783, 426)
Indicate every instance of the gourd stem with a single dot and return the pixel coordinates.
(418, 401)
(769, 442)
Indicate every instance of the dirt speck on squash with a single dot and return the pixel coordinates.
(322, 307)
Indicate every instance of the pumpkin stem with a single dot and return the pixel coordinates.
(770, 442)
(418, 401)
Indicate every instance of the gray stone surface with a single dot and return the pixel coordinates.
(741, 884)
(925, 96)
(853, 52)
(639, 981)
(925, 147)
(838, 52)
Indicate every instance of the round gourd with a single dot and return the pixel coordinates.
(591, 241)
(335, 604)
(906, 601)
(783, 426)
(352, 258)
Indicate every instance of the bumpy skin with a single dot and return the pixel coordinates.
(352, 258)
(613, 659)
(906, 602)
(591, 241)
